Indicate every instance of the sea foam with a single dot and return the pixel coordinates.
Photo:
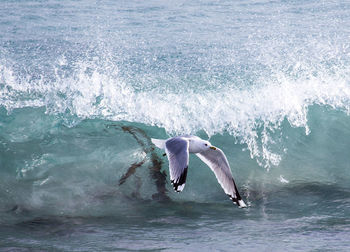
(251, 114)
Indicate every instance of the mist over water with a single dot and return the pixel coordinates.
(85, 84)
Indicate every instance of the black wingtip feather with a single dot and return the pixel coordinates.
(180, 181)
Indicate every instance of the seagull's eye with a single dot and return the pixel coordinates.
(205, 144)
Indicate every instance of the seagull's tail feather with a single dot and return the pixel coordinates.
(160, 143)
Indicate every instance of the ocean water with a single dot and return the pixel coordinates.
(84, 85)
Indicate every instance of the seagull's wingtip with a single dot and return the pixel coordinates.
(241, 204)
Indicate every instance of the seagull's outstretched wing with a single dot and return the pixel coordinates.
(176, 149)
(218, 163)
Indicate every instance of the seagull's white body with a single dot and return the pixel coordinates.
(177, 150)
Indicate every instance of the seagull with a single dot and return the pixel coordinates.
(177, 150)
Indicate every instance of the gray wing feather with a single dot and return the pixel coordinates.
(218, 163)
(176, 149)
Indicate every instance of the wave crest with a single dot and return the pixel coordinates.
(253, 114)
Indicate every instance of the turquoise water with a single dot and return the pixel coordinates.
(84, 85)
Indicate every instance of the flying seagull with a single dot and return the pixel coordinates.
(177, 150)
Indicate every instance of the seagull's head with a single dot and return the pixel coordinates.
(208, 145)
(198, 145)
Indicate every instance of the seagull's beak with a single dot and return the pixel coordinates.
(212, 147)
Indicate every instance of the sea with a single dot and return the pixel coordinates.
(85, 85)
